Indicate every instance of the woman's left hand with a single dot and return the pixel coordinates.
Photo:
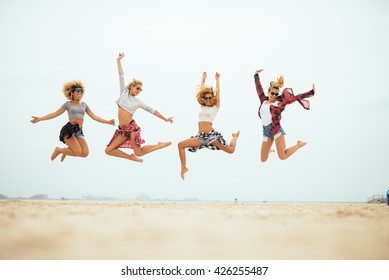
(170, 119)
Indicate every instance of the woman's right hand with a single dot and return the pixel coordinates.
(258, 71)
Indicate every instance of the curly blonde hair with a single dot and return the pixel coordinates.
(204, 90)
(134, 83)
(69, 87)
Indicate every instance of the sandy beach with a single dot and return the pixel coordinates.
(192, 230)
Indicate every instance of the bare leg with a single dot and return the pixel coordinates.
(230, 148)
(141, 151)
(112, 149)
(191, 142)
(285, 153)
(74, 148)
(266, 149)
(84, 148)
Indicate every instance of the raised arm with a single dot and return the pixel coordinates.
(203, 79)
(120, 68)
(121, 73)
(258, 86)
(217, 89)
(53, 115)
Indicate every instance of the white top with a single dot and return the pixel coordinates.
(208, 114)
(265, 112)
(129, 102)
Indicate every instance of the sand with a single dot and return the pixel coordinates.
(46, 230)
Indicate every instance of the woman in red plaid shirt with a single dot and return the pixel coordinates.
(270, 111)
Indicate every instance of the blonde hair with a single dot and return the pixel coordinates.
(70, 86)
(277, 84)
(134, 83)
(203, 90)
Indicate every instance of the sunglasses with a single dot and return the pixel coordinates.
(274, 93)
(138, 88)
(79, 90)
(207, 97)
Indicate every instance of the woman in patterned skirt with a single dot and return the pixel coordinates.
(71, 133)
(207, 137)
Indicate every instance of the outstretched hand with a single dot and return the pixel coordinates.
(204, 75)
(258, 71)
(313, 87)
(217, 76)
(170, 119)
(35, 119)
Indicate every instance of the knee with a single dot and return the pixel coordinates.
(108, 151)
(282, 157)
(138, 153)
(84, 154)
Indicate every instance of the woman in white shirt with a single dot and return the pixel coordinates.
(128, 133)
(207, 137)
(270, 111)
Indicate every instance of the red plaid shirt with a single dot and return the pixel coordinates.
(286, 98)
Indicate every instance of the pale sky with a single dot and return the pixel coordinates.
(341, 46)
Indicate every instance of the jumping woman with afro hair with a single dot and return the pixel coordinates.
(71, 133)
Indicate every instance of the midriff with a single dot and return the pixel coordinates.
(205, 127)
(124, 117)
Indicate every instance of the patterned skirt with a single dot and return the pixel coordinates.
(70, 130)
(126, 131)
(206, 139)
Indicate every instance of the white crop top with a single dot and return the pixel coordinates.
(265, 113)
(208, 114)
(129, 102)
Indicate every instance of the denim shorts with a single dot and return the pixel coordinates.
(267, 133)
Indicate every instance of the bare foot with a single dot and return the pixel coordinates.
(135, 158)
(183, 171)
(236, 134)
(63, 157)
(301, 143)
(164, 144)
(55, 153)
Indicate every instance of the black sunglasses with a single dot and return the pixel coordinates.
(275, 93)
(79, 90)
(207, 98)
(138, 88)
